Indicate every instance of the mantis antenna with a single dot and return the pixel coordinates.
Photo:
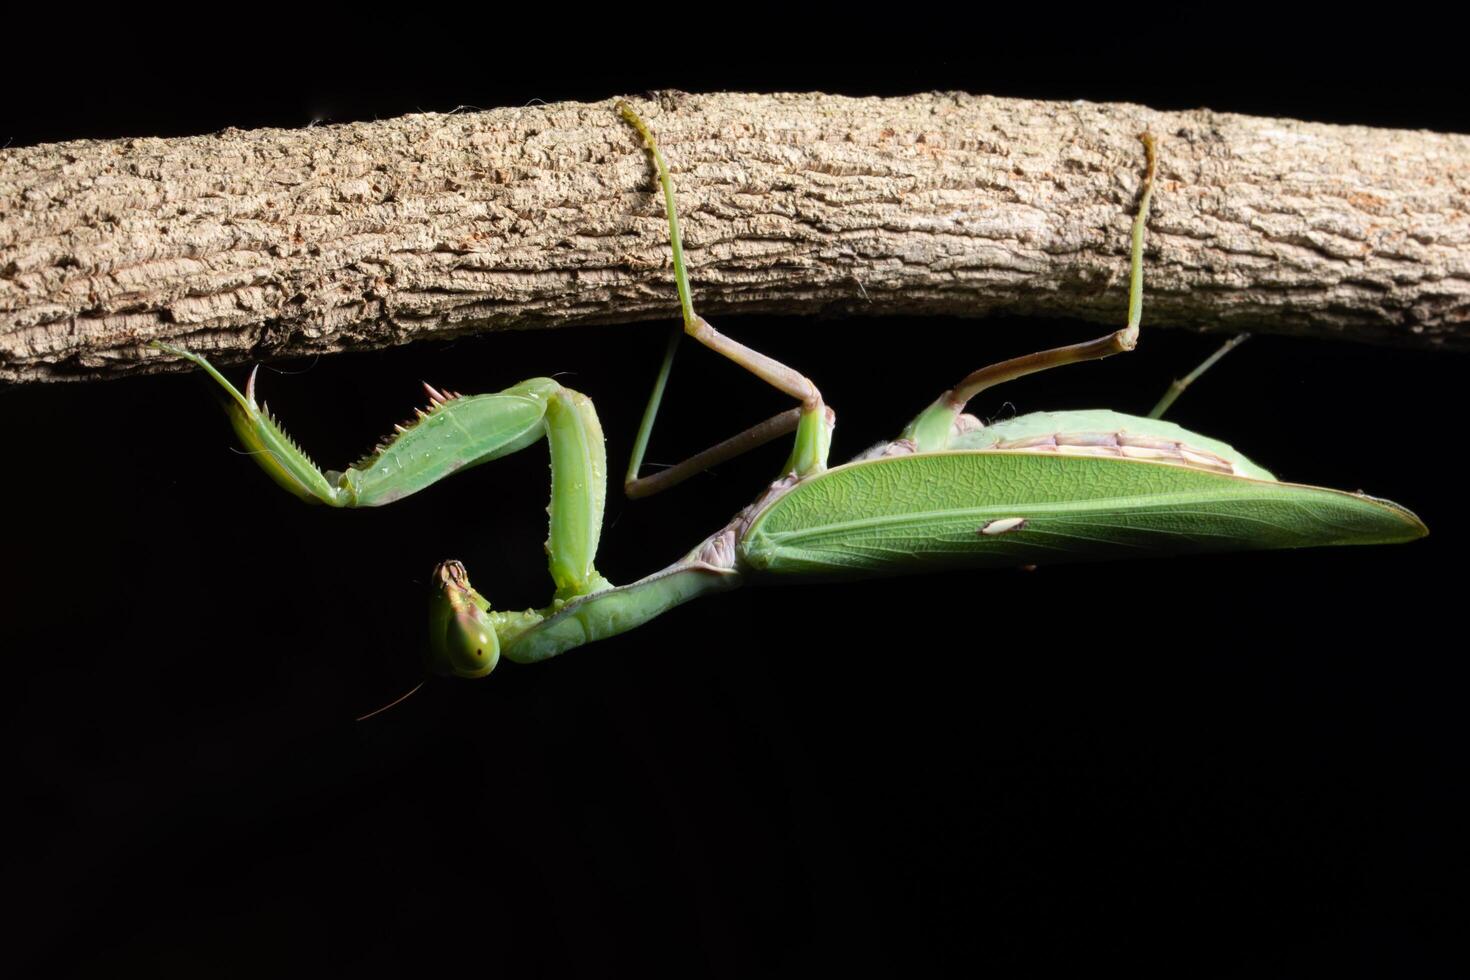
(392, 704)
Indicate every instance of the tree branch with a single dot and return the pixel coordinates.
(371, 234)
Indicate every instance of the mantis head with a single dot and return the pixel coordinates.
(462, 638)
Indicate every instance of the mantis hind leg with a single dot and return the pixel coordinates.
(812, 421)
(1176, 388)
(931, 430)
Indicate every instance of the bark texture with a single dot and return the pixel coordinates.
(247, 244)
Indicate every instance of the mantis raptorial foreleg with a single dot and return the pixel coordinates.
(812, 422)
(453, 433)
(466, 636)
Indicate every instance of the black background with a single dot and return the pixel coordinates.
(1237, 766)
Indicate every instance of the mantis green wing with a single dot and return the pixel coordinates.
(932, 511)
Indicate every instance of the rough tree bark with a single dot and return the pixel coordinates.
(370, 234)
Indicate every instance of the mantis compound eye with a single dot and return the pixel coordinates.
(462, 640)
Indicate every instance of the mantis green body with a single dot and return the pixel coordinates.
(949, 492)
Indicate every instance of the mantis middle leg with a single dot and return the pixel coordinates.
(811, 421)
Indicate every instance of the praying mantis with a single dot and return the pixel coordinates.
(949, 492)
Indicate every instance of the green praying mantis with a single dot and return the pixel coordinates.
(950, 492)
